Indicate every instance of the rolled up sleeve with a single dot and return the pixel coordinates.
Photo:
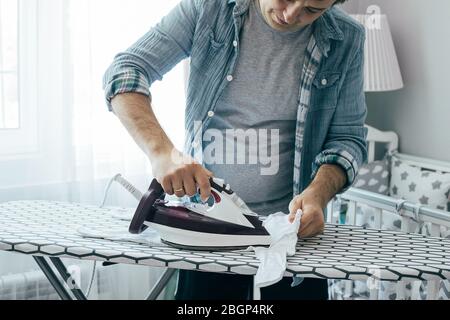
(346, 144)
(153, 55)
(125, 81)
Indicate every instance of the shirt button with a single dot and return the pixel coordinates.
(211, 114)
(324, 82)
(235, 43)
(229, 78)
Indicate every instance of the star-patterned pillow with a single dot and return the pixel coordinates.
(374, 177)
(411, 183)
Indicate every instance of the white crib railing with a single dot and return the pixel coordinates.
(362, 208)
(381, 203)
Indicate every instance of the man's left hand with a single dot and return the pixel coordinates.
(312, 206)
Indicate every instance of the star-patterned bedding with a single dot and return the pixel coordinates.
(407, 182)
(431, 189)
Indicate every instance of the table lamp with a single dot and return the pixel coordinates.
(381, 71)
(381, 68)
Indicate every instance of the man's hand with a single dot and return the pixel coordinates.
(330, 179)
(181, 175)
(312, 206)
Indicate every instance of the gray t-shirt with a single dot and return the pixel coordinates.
(263, 96)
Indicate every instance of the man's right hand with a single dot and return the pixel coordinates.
(181, 175)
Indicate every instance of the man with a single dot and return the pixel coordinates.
(293, 67)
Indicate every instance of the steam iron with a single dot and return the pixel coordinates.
(224, 222)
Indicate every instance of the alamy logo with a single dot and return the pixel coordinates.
(74, 280)
(239, 147)
(373, 19)
(373, 282)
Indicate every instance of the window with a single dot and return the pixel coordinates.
(63, 131)
(9, 95)
(18, 70)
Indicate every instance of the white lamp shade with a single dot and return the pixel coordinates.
(382, 71)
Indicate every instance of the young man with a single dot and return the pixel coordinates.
(289, 67)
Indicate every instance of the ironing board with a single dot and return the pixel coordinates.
(48, 231)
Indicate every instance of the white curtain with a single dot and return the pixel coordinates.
(76, 145)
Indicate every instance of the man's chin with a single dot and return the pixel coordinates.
(280, 25)
(278, 20)
(288, 27)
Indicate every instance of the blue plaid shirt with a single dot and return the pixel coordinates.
(332, 109)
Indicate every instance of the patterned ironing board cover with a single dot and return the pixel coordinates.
(45, 228)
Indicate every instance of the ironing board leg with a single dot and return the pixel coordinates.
(51, 276)
(77, 292)
(161, 284)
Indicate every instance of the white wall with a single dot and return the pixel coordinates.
(419, 113)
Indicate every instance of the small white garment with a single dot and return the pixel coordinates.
(149, 236)
(273, 260)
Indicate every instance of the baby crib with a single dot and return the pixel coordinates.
(358, 207)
